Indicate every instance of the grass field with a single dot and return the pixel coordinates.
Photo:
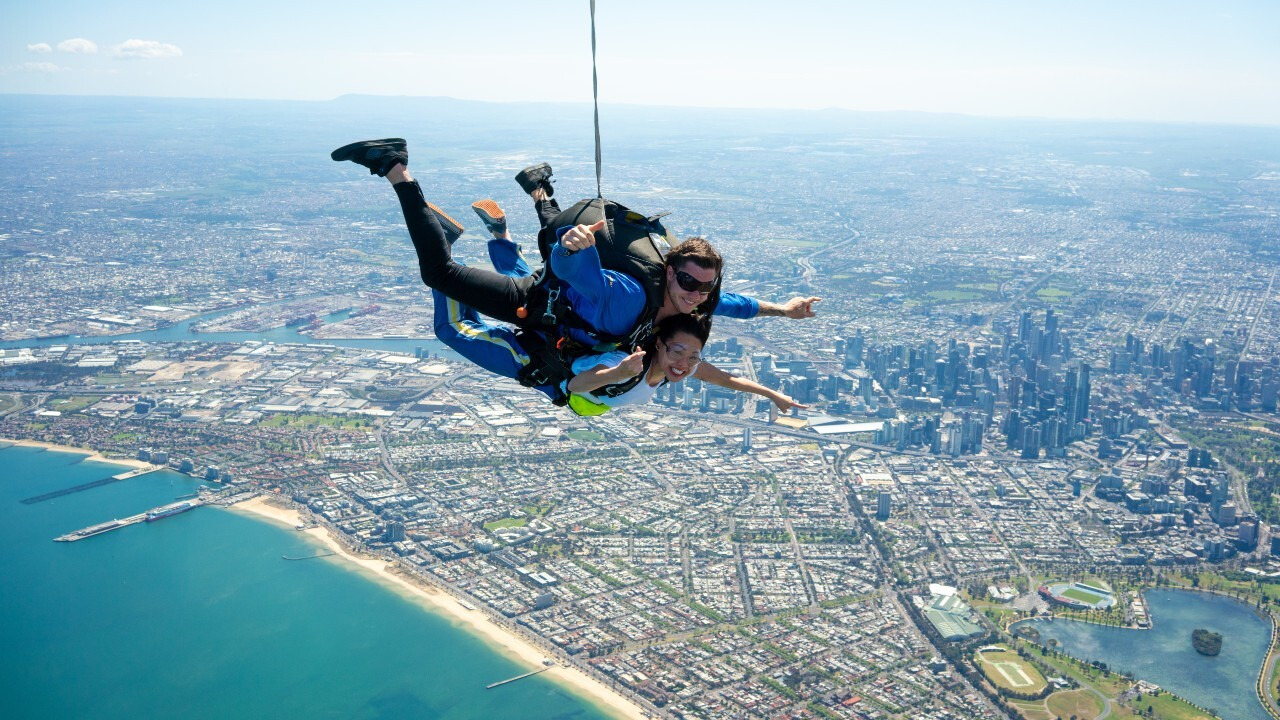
(1033, 710)
(71, 403)
(506, 523)
(1078, 703)
(1170, 707)
(1005, 669)
(9, 402)
(953, 295)
(284, 420)
(1083, 596)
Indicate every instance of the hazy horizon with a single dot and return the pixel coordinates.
(1142, 61)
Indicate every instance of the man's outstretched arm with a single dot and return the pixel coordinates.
(744, 307)
(796, 308)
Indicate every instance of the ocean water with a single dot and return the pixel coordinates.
(198, 616)
(1163, 655)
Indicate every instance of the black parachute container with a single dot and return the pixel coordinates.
(629, 243)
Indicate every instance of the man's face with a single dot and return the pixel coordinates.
(689, 285)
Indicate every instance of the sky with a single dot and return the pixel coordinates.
(1170, 61)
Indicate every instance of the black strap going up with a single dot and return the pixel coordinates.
(595, 95)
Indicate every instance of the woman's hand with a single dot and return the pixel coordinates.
(785, 403)
(630, 367)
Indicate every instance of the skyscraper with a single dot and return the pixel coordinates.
(884, 505)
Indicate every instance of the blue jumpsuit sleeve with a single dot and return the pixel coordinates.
(737, 306)
(609, 301)
(580, 270)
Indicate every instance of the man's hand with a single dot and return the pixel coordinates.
(632, 366)
(538, 194)
(798, 308)
(580, 237)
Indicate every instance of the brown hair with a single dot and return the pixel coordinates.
(695, 250)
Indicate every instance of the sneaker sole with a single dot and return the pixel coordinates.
(451, 227)
(346, 152)
(489, 211)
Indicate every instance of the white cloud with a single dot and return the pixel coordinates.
(146, 50)
(78, 45)
(39, 48)
(40, 67)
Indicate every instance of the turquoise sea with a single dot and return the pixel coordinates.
(198, 616)
(1163, 655)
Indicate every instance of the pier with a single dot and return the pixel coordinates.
(90, 485)
(310, 557)
(491, 686)
(156, 513)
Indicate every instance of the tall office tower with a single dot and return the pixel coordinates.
(746, 439)
(394, 532)
(884, 505)
(986, 402)
(929, 354)
(1030, 442)
(831, 387)
(1220, 491)
(1079, 411)
(954, 442)
(972, 426)
(1247, 532)
(1025, 326)
(1203, 377)
(855, 347)
(1013, 426)
(1227, 514)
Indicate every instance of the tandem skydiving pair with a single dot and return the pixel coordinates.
(606, 320)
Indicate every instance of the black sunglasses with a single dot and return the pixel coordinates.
(689, 283)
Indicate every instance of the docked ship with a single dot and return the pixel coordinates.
(165, 511)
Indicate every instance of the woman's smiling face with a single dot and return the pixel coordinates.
(679, 356)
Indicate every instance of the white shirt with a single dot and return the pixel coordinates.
(642, 393)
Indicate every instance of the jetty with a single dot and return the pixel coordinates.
(90, 485)
(491, 686)
(156, 513)
(326, 553)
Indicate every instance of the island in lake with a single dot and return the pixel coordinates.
(1206, 642)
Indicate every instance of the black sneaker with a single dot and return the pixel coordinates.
(377, 155)
(534, 177)
(492, 216)
(452, 228)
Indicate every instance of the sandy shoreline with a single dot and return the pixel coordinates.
(94, 455)
(473, 621)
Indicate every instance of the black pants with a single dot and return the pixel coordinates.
(489, 292)
(547, 211)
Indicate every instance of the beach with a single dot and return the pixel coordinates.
(94, 455)
(443, 604)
